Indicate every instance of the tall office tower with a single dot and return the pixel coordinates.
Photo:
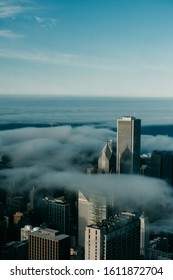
(106, 161)
(48, 244)
(161, 165)
(72, 197)
(128, 145)
(116, 238)
(91, 209)
(56, 212)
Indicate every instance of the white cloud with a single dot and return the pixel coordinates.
(9, 34)
(8, 9)
(158, 142)
(45, 156)
(46, 22)
(46, 146)
(65, 59)
(12, 8)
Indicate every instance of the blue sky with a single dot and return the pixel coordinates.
(86, 47)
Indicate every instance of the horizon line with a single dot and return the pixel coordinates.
(31, 95)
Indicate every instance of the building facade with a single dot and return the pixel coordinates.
(144, 236)
(107, 159)
(48, 244)
(56, 213)
(128, 145)
(116, 238)
(91, 209)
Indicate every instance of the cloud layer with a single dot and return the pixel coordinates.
(60, 155)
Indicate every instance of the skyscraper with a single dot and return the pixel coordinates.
(91, 209)
(106, 160)
(56, 212)
(128, 145)
(116, 238)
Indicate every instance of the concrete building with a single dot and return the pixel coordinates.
(48, 244)
(91, 209)
(107, 158)
(25, 231)
(116, 238)
(128, 145)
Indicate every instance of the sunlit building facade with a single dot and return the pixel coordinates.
(91, 209)
(128, 145)
(48, 244)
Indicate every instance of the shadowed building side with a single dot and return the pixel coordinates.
(116, 238)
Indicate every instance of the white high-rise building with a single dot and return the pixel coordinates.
(91, 209)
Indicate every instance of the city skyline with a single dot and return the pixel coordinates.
(28, 148)
(41, 170)
(86, 48)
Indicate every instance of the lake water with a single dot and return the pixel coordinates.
(19, 111)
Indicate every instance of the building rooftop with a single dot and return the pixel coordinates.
(58, 200)
(116, 222)
(49, 233)
(127, 118)
(107, 149)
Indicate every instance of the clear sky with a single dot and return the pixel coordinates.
(86, 47)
